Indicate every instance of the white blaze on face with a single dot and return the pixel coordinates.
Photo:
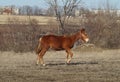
(86, 39)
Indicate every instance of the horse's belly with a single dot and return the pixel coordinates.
(57, 48)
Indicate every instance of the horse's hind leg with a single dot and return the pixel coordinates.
(41, 56)
(37, 60)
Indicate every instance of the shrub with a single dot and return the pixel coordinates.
(104, 29)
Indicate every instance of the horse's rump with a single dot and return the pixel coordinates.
(38, 47)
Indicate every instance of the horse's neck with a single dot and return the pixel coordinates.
(75, 37)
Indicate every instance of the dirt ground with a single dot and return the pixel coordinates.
(92, 66)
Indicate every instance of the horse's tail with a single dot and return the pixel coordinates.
(38, 48)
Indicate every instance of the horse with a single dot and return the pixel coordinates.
(59, 43)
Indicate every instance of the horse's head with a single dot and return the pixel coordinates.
(83, 35)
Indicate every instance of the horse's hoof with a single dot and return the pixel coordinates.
(36, 64)
(44, 64)
(67, 63)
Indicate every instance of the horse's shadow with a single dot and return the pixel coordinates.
(73, 63)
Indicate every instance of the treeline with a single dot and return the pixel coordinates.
(33, 10)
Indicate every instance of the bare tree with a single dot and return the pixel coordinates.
(37, 11)
(50, 11)
(63, 9)
(26, 10)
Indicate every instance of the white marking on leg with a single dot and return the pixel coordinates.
(69, 60)
(44, 64)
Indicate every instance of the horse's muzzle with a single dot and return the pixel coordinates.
(86, 40)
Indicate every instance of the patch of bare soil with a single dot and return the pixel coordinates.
(102, 66)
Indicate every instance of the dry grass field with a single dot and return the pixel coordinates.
(42, 20)
(89, 66)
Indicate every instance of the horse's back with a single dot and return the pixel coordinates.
(52, 38)
(53, 41)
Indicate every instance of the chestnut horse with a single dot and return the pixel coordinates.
(59, 43)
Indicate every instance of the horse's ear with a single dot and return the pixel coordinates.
(82, 30)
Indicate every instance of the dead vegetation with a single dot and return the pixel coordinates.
(104, 29)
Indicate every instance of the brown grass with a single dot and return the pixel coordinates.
(103, 66)
(42, 20)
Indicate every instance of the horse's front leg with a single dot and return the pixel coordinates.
(67, 56)
(71, 55)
